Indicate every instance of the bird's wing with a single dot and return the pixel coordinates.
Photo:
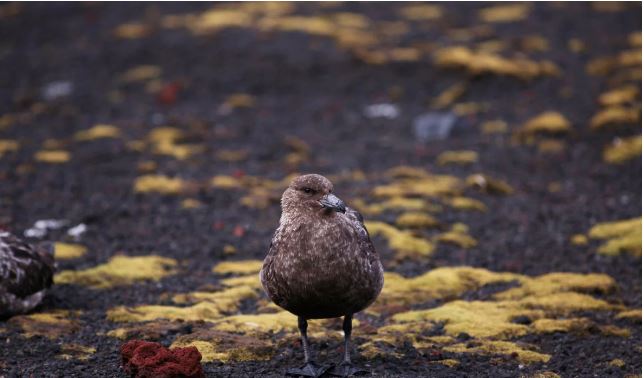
(24, 269)
(358, 222)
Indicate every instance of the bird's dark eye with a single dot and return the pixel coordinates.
(308, 190)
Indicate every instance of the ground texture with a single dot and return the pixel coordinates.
(495, 152)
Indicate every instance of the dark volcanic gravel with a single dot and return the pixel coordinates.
(308, 87)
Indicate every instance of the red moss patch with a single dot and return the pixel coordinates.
(144, 359)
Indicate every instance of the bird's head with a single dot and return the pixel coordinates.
(309, 194)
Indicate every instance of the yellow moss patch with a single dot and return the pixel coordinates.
(209, 306)
(457, 236)
(416, 220)
(131, 30)
(238, 267)
(481, 62)
(466, 203)
(566, 302)
(225, 182)
(120, 270)
(240, 100)
(469, 108)
(309, 25)
(421, 12)
(621, 236)
(449, 95)
(251, 280)
(52, 156)
(282, 321)
(476, 318)
(447, 362)
(617, 363)
(534, 43)
(494, 127)
(226, 347)
(159, 184)
(232, 156)
(543, 374)
(561, 325)
(619, 96)
(404, 171)
(226, 300)
(488, 184)
(553, 283)
(505, 13)
(551, 146)
(229, 249)
(191, 203)
(404, 243)
(98, 132)
(630, 314)
(76, 352)
(141, 73)
(549, 122)
(204, 311)
(457, 157)
(164, 141)
(438, 283)
(614, 115)
(611, 330)
(394, 203)
(429, 186)
(152, 330)
(178, 151)
(52, 324)
(622, 150)
(216, 19)
(146, 166)
(576, 45)
(67, 251)
(8, 145)
(492, 347)
(579, 239)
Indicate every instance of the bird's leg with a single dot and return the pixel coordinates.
(346, 368)
(310, 368)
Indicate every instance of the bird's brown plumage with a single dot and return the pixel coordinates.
(26, 271)
(321, 262)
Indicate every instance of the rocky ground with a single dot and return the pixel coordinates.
(495, 152)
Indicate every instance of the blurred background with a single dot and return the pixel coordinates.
(490, 143)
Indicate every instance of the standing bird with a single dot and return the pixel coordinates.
(321, 264)
(26, 272)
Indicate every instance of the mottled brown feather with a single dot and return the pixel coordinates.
(320, 264)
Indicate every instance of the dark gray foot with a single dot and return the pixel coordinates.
(311, 369)
(346, 369)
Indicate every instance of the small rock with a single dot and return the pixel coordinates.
(389, 111)
(433, 126)
(57, 89)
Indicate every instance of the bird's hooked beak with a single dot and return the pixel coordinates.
(332, 202)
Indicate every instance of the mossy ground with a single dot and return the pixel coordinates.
(512, 248)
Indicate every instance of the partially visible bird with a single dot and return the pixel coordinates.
(26, 272)
(321, 264)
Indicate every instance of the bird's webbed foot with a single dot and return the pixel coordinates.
(310, 369)
(347, 369)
